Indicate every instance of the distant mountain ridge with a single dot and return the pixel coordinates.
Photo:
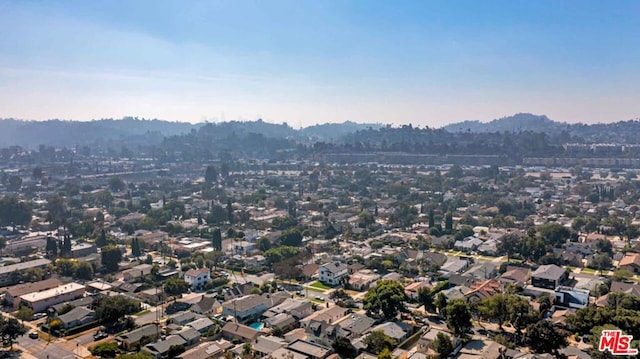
(132, 131)
(61, 133)
(516, 123)
(622, 132)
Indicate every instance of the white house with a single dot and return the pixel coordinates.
(197, 278)
(332, 273)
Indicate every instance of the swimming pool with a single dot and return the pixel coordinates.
(256, 325)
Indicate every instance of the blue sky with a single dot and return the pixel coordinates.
(306, 62)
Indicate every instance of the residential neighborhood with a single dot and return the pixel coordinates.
(319, 261)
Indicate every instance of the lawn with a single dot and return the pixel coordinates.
(588, 271)
(142, 312)
(320, 285)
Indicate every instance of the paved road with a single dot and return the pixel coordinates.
(147, 318)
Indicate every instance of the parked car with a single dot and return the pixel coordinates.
(33, 335)
(100, 335)
(39, 315)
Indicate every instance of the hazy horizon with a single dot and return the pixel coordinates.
(305, 63)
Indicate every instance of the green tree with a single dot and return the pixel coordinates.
(385, 354)
(110, 310)
(343, 347)
(176, 286)
(441, 303)
(442, 345)
(448, 221)
(105, 350)
(542, 337)
(84, 270)
(229, 211)
(24, 313)
(263, 244)
(432, 220)
(116, 184)
(425, 297)
(111, 257)
(102, 239)
(11, 329)
(216, 239)
(175, 350)
(387, 298)
(140, 355)
(494, 308)
(135, 247)
(377, 341)
(14, 212)
(65, 267)
(458, 316)
(291, 237)
(210, 174)
(52, 247)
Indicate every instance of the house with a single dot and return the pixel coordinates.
(483, 271)
(152, 296)
(355, 325)
(485, 349)
(363, 279)
(138, 337)
(321, 332)
(454, 266)
(296, 307)
(160, 349)
(234, 331)
(283, 321)
(265, 345)
(484, 289)
(77, 317)
(549, 276)
(489, 247)
(151, 238)
(206, 305)
(207, 350)
(332, 273)
(424, 343)
(571, 297)
(137, 272)
(630, 262)
(284, 353)
(190, 336)
(245, 309)
(197, 278)
(413, 289)
(468, 244)
(243, 247)
(310, 350)
(202, 325)
(330, 315)
(397, 331)
(182, 318)
(517, 276)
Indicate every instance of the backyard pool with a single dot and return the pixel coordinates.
(256, 325)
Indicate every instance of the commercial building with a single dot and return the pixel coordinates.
(40, 301)
(9, 273)
(12, 294)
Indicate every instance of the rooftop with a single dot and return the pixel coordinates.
(53, 292)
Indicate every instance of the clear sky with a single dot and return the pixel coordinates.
(306, 62)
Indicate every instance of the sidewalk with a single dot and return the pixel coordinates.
(23, 352)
